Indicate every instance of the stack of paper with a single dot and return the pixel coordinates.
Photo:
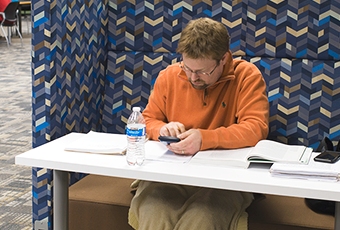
(102, 143)
(311, 171)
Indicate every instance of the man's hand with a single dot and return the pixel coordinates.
(172, 129)
(190, 143)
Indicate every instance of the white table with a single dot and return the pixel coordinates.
(258, 180)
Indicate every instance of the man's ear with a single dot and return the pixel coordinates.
(224, 58)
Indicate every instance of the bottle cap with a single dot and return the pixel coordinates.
(136, 109)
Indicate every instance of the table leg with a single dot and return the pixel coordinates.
(19, 19)
(60, 210)
(337, 216)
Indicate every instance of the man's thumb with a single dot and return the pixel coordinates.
(184, 135)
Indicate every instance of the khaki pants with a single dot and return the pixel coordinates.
(160, 206)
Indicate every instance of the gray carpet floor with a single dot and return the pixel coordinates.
(15, 132)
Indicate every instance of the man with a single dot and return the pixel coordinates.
(209, 101)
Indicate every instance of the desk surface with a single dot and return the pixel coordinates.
(52, 156)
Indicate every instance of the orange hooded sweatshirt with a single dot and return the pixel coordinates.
(232, 113)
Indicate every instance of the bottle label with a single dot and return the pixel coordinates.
(135, 132)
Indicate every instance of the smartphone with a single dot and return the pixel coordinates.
(168, 140)
(328, 156)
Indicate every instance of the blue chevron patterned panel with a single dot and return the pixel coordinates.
(148, 26)
(291, 29)
(304, 99)
(41, 178)
(129, 81)
(155, 27)
(68, 68)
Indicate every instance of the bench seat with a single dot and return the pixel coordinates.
(100, 202)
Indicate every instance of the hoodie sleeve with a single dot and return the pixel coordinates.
(154, 113)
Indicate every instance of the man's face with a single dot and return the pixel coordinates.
(198, 71)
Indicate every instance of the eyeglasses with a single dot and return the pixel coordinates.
(199, 73)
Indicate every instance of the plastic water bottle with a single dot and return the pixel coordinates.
(135, 133)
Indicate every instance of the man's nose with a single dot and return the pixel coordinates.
(194, 76)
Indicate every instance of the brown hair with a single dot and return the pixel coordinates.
(204, 38)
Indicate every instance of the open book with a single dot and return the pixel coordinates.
(96, 142)
(265, 151)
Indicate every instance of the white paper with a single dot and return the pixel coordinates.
(156, 151)
(96, 142)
